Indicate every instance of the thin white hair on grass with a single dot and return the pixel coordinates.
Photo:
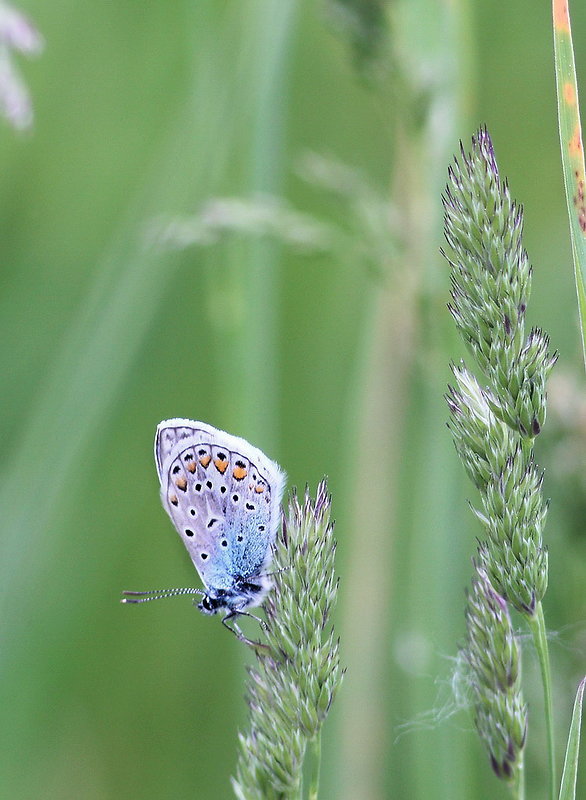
(453, 696)
(561, 640)
(525, 638)
(559, 637)
(454, 691)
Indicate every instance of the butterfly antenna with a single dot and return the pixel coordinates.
(274, 572)
(157, 594)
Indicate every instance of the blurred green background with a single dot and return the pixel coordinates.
(331, 356)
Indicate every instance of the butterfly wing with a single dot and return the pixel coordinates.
(223, 496)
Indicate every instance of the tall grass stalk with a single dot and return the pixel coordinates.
(393, 527)
(241, 280)
(494, 427)
(254, 261)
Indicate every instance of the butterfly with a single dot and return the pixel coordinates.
(224, 497)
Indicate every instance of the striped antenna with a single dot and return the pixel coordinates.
(157, 594)
(275, 572)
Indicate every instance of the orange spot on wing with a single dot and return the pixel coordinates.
(173, 499)
(259, 489)
(181, 483)
(569, 93)
(561, 17)
(205, 460)
(221, 466)
(239, 473)
(575, 143)
(192, 466)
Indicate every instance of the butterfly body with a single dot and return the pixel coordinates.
(223, 496)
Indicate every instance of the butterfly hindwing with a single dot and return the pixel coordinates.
(223, 496)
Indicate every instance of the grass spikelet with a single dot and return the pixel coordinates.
(297, 672)
(493, 657)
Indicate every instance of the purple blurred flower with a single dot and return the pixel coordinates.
(17, 33)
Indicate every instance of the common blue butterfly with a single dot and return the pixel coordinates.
(223, 496)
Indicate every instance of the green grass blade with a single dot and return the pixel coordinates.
(568, 786)
(572, 149)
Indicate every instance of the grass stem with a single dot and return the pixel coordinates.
(539, 633)
(315, 766)
(518, 788)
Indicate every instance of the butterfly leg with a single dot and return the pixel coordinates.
(236, 629)
(260, 621)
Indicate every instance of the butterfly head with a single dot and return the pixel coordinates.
(211, 605)
(243, 594)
